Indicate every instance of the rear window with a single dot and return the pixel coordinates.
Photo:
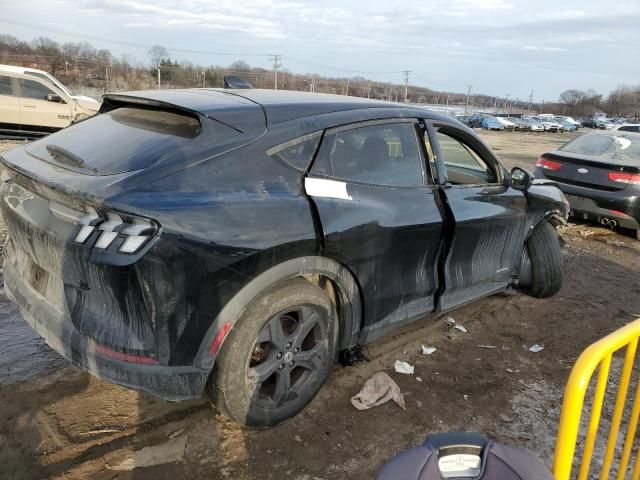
(129, 139)
(623, 147)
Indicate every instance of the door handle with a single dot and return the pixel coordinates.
(29, 106)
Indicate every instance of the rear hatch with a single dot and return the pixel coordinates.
(602, 162)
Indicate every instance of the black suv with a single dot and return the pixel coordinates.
(231, 244)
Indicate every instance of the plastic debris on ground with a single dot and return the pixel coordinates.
(403, 367)
(428, 350)
(456, 325)
(418, 379)
(487, 346)
(536, 348)
(379, 389)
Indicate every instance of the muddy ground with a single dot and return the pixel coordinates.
(61, 423)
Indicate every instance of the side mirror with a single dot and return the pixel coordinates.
(521, 179)
(52, 97)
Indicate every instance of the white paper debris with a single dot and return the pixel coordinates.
(451, 321)
(428, 350)
(466, 397)
(461, 328)
(403, 367)
(487, 346)
(536, 348)
(418, 379)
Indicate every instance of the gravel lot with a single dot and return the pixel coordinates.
(61, 423)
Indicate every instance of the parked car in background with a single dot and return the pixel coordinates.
(600, 174)
(566, 119)
(534, 125)
(34, 103)
(193, 243)
(550, 125)
(506, 123)
(492, 123)
(567, 126)
(475, 120)
(627, 127)
(464, 119)
(519, 123)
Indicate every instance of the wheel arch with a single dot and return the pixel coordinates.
(335, 278)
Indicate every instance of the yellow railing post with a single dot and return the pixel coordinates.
(598, 356)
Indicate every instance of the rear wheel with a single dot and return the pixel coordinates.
(277, 356)
(542, 263)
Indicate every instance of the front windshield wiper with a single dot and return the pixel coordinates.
(64, 156)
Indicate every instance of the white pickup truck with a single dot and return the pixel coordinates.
(33, 102)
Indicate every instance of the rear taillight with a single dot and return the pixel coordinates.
(548, 164)
(627, 178)
(134, 232)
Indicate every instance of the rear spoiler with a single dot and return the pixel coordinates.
(247, 118)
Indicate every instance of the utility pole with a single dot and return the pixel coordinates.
(158, 69)
(347, 90)
(530, 101)
(405, 74)
(466, 108)
(275, 59)
(369, 90)
(106, 74)
(204, 76)
(506, 101)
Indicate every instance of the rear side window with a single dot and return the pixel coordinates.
(629, 128)
(32, 89)
(5, 85)
(297, 153)
(379, 154)
(625, 148)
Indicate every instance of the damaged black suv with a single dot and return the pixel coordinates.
(210, 242)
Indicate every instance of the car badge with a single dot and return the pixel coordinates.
(583, 170)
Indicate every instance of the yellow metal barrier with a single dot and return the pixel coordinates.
(598, 356)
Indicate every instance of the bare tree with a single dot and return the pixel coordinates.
(157, 54)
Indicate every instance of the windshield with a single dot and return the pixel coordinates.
(52, 79)
(623, 147)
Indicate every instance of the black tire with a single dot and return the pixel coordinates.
(545, 255)
(249, 379)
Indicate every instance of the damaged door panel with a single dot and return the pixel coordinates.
(379, 217)
(489, 219)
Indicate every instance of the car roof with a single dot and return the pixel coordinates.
(614, 133)
(14, 69)
(278, 105)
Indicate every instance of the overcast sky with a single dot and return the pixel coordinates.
(498, 46)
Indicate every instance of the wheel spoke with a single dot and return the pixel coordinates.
(306, 325)
(283, 386)
(310, 359)
(273, 334)
(263, 371)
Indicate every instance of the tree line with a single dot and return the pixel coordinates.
(79, 64)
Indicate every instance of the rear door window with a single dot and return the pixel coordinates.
(33, 89)
(381, 154)
(5, 85)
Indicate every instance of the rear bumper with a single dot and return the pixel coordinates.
(593, 204)
(56, 328)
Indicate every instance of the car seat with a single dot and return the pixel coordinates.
(464, 456)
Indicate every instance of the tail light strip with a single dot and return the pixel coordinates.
(548, 164)
(109, 228)
(627, 178)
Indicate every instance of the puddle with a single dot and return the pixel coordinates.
(23, 354)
